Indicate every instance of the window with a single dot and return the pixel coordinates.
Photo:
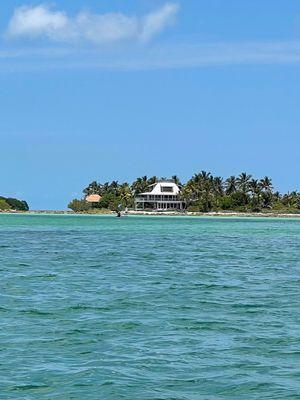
(167, 189)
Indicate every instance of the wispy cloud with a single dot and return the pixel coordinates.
(152, 57)
(43, 21)
(222, 54)
(74, 43)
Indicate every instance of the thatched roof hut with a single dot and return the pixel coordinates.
(93, 198)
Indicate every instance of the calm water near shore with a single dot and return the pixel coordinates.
(160, 308)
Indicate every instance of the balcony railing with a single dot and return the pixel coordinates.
(156, 198)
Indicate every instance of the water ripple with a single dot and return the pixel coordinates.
(149, 308)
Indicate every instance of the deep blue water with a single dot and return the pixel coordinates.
(160, 308)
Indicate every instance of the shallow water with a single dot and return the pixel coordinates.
(156, 308)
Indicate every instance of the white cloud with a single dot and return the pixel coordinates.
(44, 22)
(36, 21)
(106, 28)
(155, 22)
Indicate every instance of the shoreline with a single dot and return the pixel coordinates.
(161, 213)
(218, 214)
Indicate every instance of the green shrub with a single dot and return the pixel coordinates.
(225, 203)
(111, 202)
(78, 205)
(193, 208)
(4, 205)
(18, 205)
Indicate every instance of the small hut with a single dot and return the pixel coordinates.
(93, 198)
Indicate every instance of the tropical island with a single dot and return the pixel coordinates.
(202, 193)
(12, 204)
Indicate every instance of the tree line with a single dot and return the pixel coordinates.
(10, 203)
(203, 192)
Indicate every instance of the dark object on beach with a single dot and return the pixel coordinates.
(119, 210)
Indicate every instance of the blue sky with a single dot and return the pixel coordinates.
(114, 90)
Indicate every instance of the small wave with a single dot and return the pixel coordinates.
(34, 312)
(29, 387)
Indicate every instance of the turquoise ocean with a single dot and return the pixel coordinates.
(158, 308)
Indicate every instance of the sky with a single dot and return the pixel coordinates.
(113, 89)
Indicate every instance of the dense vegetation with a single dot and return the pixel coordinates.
(9, 203)
(203, 192)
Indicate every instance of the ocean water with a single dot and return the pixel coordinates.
(158, 308)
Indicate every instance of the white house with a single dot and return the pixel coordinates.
(162, 195)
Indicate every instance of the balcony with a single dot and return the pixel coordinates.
(156, 198)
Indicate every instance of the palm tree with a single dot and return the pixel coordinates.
(126, 194)
(266, 184)
(176, 180)
(254, 186)
(205, 176)
(243, 184)
(202, 184)
(114, 188)
(218, 185)
(93, 188)
(256, 193)
(243, 181)
(152, 180)
(277, 196)
(291, 199)
(267, 191)
(105, 187)
(140, 185)
(189, 192)
(231, 184)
